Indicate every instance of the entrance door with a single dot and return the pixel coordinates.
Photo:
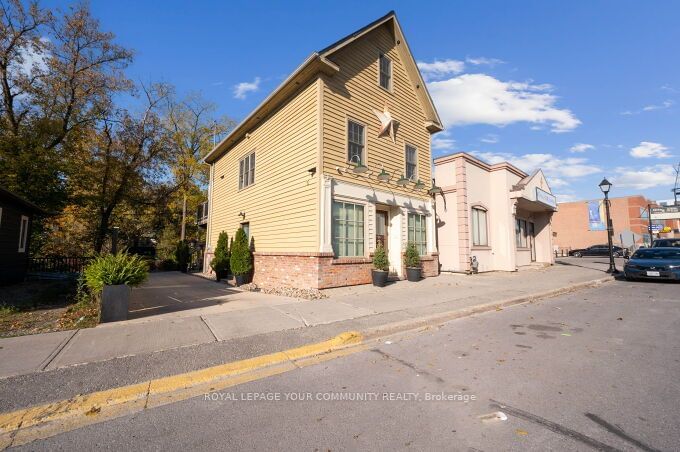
(381, 227)
(532, 241)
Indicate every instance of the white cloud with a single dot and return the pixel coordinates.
(664, 105)
(490, 138)
(482, 99)
(242, 89)
(443, 141)
(652, 107)
(483, 61)
(31, 59)
(556, 182)
(581, 147)
(648, 149)
(647, 177)
(440, 68)
(566, 197)
(557, 170)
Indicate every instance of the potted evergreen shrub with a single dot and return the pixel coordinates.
(220, 263)
(381, 266)
(110, 278)
(241, 259)
(183, 255)
(412, 263)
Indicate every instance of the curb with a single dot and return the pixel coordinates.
(38, 422)
(438, 320)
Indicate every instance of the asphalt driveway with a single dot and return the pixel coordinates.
(174, 292)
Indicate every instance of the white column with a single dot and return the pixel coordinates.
(431, 231)
(325, 217)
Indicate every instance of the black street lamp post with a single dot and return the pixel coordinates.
(605, 186)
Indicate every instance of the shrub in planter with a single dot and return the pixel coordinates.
(412, 263)
(220, 263)
(111, 278)
(381, 266)
(241, 259)
(183, 255)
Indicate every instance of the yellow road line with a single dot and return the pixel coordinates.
(38, 422)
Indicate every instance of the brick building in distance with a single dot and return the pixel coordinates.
(581, 224)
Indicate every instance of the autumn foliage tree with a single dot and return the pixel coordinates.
(81, 140)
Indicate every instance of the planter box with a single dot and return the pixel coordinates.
(379, 277)
(115, 303)
(241, 279)
(413, 274)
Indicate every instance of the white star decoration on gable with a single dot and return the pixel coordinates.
(388, 125)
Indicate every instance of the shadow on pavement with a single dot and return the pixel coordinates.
(174, 291)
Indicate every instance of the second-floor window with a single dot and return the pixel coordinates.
(385, 72)
(355, 142)
(246, 171)
(411, 162)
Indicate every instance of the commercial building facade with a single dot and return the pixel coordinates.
(334, 161)
(496, 215)
(581, 224)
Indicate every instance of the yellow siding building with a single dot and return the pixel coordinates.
(334, 161)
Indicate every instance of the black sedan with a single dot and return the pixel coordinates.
(599, 250)
(673, 242)
(654, 263)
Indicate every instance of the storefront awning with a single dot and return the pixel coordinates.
(533, 199)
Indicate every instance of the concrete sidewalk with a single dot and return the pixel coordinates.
(236, 314)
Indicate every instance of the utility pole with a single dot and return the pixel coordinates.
(649, 219)
(184, 217)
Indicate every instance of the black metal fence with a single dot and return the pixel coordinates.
(57, 264)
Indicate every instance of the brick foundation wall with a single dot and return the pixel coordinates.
(344, 272)
(288, 269)
(430, 265)
(320, 270)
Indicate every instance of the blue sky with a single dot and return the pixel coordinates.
(583, 89)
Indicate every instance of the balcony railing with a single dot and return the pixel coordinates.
(202, 214)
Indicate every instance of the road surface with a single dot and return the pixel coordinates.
(596, 369)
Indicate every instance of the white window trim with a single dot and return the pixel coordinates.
(427, 234)
(406, 145)
(486, 226)
(364, 157)
(23, 238)
(390, 89)
(366, 206)
(243, 159)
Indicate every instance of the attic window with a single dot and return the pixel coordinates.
(385, 76)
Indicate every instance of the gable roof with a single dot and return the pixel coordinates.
(319, 62)
(18, 200)
(525, 181)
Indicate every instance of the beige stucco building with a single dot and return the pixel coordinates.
(496, 214)
(335, 160)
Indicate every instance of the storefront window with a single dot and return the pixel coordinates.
(479, 228)
(521, 233)
(416, 232)
(348, 229)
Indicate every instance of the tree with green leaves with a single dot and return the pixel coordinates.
(241, 259)
(58, 76)
(220, 262)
